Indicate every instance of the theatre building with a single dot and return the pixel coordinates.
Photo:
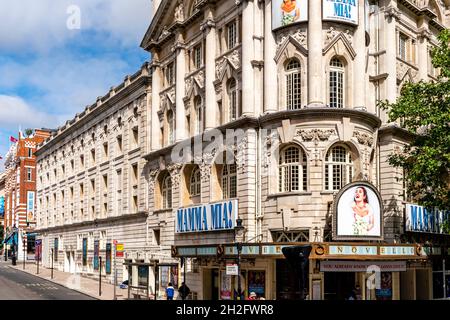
(298, 83)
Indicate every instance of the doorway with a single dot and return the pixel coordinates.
(339, 285)
(211, 284)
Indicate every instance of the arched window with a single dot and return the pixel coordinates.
(195, 182)
(337, 73)
(171, 126)
(199, 115)
(293, 85)
(233, 100)
(229, 181)
(339, 169)
(292, 170)
(166, 192)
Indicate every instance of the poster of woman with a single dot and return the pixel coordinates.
(286, 12)
(358, 212)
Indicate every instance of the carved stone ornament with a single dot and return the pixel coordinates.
(315, 135)
(363, 138)
(392, 12)
(271, 144)
(239, 150)
(174, 170)
(332, 33)
(164, 33)
(298, 35)
(207, 24)
(403, 69)
(234, 58)
(188, 84)
(200, 79)
(205, 164)
(179, 11)
(151, 180)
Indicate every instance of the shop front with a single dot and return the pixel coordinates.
(367, 271)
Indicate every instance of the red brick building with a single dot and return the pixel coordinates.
(20, 192)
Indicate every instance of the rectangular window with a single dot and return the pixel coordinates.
(198, 56)
(93, 187)
(119, 144)
(135, 204)
(134, 170)
(336, 89)
(72, 165)
(30, 153)
(63, 170)
(29, 174)
(135, 136)
(105, 150)
(71, 193)
(231, 35)
(81, 191)
(82, 161)
(105, 183)
(170, 74)
(156, 237)
(93, 156)
(402, 46)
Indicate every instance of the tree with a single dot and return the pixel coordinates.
(423, 109)
(28, 132)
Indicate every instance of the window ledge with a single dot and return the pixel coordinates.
(162, 211)
(289, 194)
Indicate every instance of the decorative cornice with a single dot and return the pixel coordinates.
(363, 138)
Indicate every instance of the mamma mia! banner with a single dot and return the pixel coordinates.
(420, 219)
(341, 10)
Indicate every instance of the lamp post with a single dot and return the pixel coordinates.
(24, 250)
(238, 231)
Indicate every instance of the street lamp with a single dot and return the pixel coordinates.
(238, 231)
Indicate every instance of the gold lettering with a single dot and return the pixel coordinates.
(354, 250)
(382, 250)
(340, 249)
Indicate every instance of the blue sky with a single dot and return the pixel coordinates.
(49, 71)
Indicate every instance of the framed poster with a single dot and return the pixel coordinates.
(30, 206)
(225, 286)
(108, 258)
(385, 290)
(358, 213)
(38, 249)
(96, 254)
(257, 282)
(85, 243)
(287, 12)
(56, 248)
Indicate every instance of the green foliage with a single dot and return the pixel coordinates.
(28, 132)
(423, 109)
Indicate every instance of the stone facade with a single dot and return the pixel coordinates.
(92, 180)
(239, 48)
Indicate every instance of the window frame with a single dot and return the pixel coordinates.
(293, 85)
(195, 183)
(229, 181)
(345, 169)
(286, 169)
(337, 85)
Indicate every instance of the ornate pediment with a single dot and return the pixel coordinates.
(231, 60)
(296, 38)
(339, 42)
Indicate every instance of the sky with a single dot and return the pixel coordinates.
(58, 56)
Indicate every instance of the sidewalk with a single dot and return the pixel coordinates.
(76, 282)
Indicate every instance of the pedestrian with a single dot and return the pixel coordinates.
(184, 291)
(170, 291)
(252, 296)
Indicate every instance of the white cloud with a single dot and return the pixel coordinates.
(15, 113)
(40, 25)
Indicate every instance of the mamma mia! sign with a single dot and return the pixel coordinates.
(341, 10)
(420, 219)
(216, 216)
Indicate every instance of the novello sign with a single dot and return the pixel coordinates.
(341, 10)
(218, 216)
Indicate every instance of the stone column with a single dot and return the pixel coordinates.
(248, 78)
(270, 67)
(156, 88)
(390, 36)
(359, 74)
(422, 47)
(180, 117)
(315, 43)
(209, 29)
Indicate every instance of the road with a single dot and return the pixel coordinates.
(18, 285)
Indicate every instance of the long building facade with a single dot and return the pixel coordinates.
(260, 115)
